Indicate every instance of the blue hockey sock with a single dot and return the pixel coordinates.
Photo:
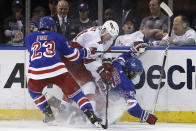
(82, 101)
(39, 100)
(136, 111)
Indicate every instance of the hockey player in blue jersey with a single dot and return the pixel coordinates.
(125, 68)
(46, 67)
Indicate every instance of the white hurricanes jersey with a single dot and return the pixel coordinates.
(129, 39)
(190, 33)
(91, 38)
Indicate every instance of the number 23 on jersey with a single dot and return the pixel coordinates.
(37, 54)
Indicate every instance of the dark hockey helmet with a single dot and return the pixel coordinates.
(133, 67)
(46, 22)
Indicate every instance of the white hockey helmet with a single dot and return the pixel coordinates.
(111, 28)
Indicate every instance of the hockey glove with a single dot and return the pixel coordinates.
(89, 51)
(105, 75)
(107, 64)
(148, 117)
(138, 48)
(103, 86)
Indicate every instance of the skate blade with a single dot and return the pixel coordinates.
(97, 124)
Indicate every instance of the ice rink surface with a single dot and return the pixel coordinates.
(39, 126)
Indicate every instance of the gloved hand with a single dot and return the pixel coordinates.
(89, 51)
(107, 63)
(138, 48)
(103, 86)
(105, 75)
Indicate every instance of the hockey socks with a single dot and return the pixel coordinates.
(135, 110)
(86, 107)
(39, 100)
(82, 101)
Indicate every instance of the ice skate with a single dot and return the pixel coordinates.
(93, 118)
(56, 103)
(49, 116)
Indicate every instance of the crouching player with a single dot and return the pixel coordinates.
(46, 67)
(125, 68)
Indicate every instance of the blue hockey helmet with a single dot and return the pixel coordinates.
(46, 22)
(133, 66)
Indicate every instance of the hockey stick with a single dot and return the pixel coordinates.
(170, 14)
(102, 86)
(106, 109)
(113, 51)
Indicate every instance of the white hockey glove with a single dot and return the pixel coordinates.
(138, 48)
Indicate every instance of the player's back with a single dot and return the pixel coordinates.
(88, 37)
(44, 48)
(121, 81)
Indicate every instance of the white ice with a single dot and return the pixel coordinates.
(121, 126)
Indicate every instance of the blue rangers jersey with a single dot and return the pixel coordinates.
(45, 49)
(122, 84)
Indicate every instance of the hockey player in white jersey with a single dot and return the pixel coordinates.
(102, 38)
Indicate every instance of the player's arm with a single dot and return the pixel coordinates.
(75, 54)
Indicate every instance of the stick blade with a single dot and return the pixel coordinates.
(104, 126)
(166, 9)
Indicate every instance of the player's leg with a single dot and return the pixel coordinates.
(84, 78)
(35, 88)
(135, 110)
(71, 89)
(89, 90)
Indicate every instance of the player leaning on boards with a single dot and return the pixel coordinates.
(45, 48)
(125, 68)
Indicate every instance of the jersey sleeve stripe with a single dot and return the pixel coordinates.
(121, 58)
(74, 56)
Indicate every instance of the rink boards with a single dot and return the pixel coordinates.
(177, 98)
